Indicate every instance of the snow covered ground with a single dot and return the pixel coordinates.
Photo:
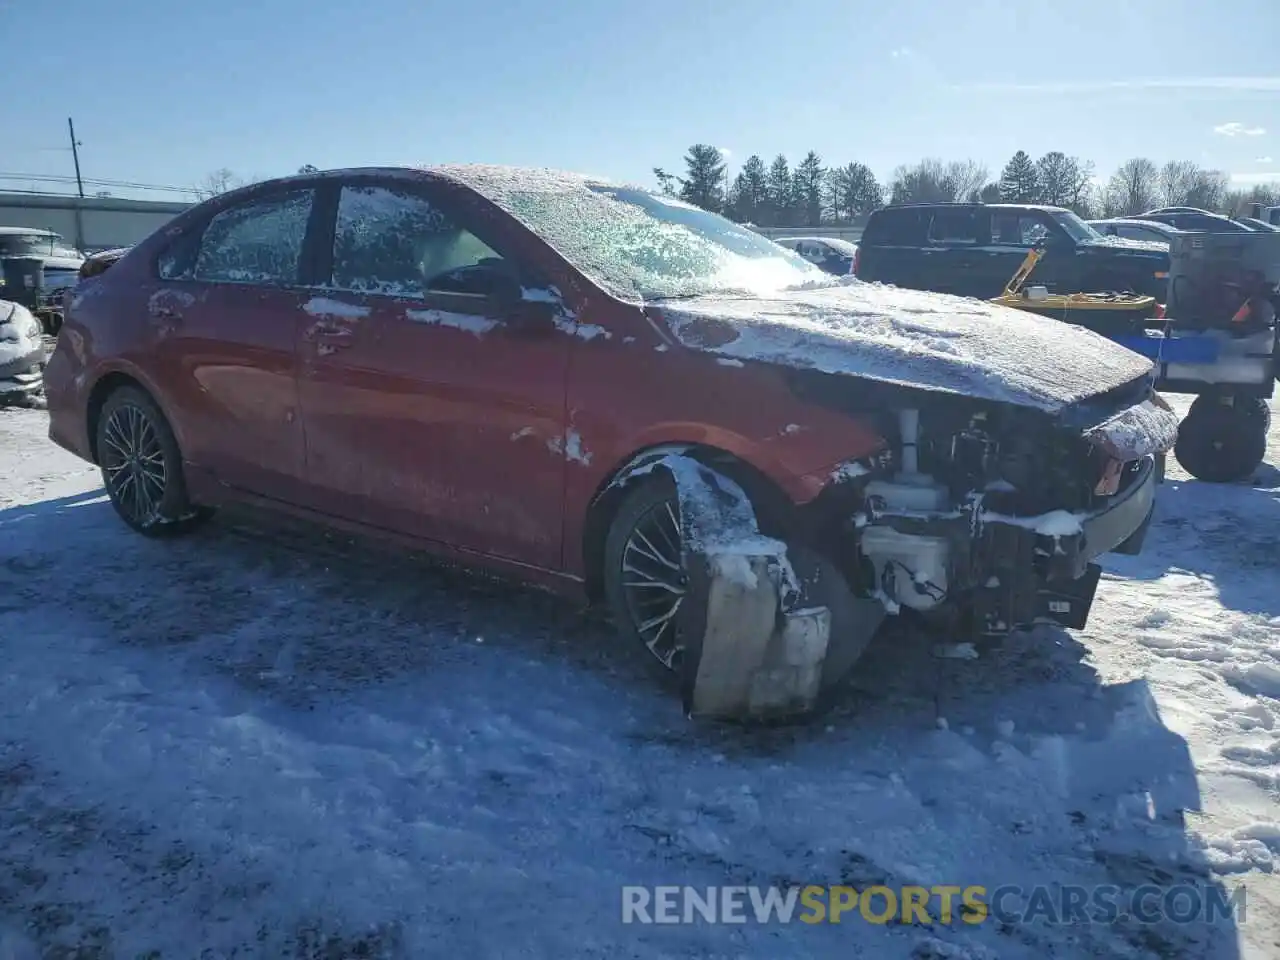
(259, 742)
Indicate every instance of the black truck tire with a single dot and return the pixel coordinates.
(1223, 444)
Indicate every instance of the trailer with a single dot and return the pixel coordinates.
(1215, 337)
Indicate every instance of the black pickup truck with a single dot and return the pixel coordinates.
(972, 249)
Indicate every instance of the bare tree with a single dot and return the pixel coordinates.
(1133, 188)
(219, 181)
(1177, 179)
(965, 177)
(932, 181)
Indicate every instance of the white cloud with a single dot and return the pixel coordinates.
(1264, 160)
(1237, 129)
(1232, 84)
(725, 152)
(1249, 179)
(902, 53)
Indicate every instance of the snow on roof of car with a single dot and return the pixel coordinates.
(835, 243)
(26, 232)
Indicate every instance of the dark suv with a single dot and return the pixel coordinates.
(973, 249)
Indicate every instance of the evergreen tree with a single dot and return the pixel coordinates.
(854, 191)
(1019, 182)
(704, 183)
(778, 187)
(751, 191)
(666, 181)
(806, 189)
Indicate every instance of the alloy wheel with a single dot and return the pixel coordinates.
(654, 581)
(133, 463)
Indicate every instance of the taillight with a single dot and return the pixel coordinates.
(1160, 314)
(857, 255)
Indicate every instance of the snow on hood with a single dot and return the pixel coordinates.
(929, 341)
(1124, 243)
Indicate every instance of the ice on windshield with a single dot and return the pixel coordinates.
(637, 244)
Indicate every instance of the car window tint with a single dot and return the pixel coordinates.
(397, 243)
(256, 242)
(954, 226)
(1018, 229)
(895, 228)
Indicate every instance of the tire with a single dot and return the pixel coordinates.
(142, 466)
(853, 622)
(652, 504)
(1220, 444)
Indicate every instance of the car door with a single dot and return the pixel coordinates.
(953, 262)
(227, 314)
(429, 407)
(1015, 232)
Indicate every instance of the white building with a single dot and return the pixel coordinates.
(90, 223)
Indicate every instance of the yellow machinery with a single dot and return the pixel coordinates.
(1101, 312)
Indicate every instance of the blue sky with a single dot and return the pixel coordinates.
(164, 92)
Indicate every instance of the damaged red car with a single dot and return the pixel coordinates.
(580, 383)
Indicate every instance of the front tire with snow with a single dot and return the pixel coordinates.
(644, 571)
(1223, 444)
(646, 584)
(142, 466)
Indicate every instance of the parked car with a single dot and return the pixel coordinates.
(1152, 231)
(22, 353)
(1259, 225)
(61, 262)
(829, 254)
(489, 362)
(1190, 218)
(973, 249)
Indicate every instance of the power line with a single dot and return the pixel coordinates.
(122, 184)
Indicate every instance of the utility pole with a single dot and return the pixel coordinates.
(75, 154)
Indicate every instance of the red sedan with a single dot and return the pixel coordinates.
(479, 359)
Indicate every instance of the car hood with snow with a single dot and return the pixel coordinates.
(1154, 249)
(925, 341)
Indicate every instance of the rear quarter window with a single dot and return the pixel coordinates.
(889, 228)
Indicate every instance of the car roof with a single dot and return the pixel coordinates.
(26, 232)
(962, 205)
(835, 242)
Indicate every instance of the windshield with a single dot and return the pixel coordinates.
(35, 245)
(636, 243)
(1077, 228)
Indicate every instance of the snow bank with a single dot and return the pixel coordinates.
(916, 339)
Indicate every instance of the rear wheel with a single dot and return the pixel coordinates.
(142, 466)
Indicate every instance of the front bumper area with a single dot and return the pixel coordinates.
(1007, 572)
(1038, 576)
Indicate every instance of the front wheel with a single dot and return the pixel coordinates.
(646, 584)
(142, 466)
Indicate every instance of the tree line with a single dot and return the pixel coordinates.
(815, 194)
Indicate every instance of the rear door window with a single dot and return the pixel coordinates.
(257, 242)
(954, 226)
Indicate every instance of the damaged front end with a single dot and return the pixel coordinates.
(989, 515)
